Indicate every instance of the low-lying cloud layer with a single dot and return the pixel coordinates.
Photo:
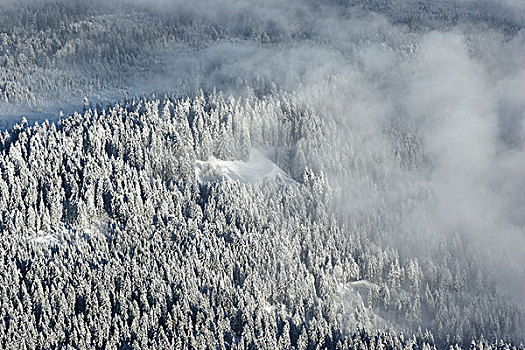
(455, 82)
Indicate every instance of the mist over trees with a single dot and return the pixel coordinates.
(397, 224)
(110, 240)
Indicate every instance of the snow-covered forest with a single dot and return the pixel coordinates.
(282, 174)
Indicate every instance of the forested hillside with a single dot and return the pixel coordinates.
(275, 175)
(108, 239)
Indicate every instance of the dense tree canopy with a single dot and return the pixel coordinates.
(110, 241)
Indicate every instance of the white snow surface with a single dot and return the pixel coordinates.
(257, 168)
(49, 238)
(64, 234)
(352, 309)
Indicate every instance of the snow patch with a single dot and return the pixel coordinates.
(64, 234)
(268, 308)
(257, 168)
(50, 238)
(352, 309)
